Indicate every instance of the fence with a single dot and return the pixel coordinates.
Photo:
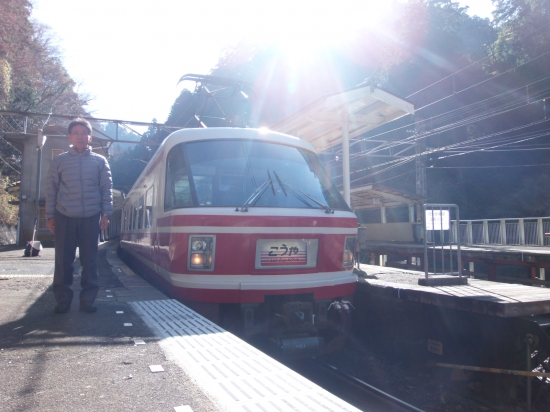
(519, 231)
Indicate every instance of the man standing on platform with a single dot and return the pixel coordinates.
(79, 202)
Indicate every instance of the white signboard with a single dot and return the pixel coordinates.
(437, 220)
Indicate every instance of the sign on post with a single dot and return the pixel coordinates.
(442, 246)
(438, 219)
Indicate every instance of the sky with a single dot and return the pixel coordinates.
(129, 55)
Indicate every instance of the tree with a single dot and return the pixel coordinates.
(32, 76)
(8, 211)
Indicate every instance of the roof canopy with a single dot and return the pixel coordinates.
(373, 197)
(320, 122)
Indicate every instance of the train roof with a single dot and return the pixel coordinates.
(215, 133)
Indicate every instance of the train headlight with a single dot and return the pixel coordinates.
(201, 252)
(349, 252)
(198, 245)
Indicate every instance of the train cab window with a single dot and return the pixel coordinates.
(229, 173)
(177, 188)
(149, 208)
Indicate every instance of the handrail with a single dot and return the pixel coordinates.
(529, 231)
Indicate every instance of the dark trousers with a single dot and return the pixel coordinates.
(71, 232)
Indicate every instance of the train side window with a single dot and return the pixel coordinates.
(149, 208)
(177, 187)
(135, 216)
(141, 209)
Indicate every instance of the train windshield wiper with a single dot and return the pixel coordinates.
(257, 194)
(293, 191)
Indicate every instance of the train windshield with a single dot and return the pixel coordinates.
(246, 173)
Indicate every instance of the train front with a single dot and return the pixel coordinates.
(256, 236)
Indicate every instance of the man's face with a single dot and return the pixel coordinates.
(79, 137)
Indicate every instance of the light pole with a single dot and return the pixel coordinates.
(40, 140)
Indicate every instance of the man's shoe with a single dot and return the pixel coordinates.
(87, 307)
(62, 308)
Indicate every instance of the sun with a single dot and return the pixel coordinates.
(302, 28)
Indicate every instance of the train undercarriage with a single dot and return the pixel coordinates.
(293, 325)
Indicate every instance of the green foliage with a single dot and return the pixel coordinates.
(523, 35)
(8, 212)
(33, 76)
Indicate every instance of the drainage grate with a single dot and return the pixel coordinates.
(238, 375)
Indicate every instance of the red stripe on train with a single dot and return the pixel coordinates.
(257, 221)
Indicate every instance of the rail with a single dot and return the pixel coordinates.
(512, 231)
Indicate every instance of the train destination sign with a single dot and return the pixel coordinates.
(283, 253)
(286, 253)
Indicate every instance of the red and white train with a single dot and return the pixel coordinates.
(245, 226)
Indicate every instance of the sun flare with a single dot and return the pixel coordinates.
(301, 28)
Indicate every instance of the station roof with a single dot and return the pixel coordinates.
(320, 122)
(373, 197)
(17, 138)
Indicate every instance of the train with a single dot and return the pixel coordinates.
(246, 227)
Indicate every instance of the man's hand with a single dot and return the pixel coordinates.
(51, 224)
(102, 224)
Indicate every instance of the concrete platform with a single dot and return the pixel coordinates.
(107, 361)
(478, 296)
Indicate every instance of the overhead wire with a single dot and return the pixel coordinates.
(478, 117)
(401, 161)
(473, 119)
(481, 112)
(454, 94)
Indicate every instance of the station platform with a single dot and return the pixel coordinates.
(478, 296)
(141, 351)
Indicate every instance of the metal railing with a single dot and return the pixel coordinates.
(441, 240)
(514, 231)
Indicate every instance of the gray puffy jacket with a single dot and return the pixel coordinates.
(79, 185)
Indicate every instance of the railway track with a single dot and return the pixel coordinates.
(355, 391)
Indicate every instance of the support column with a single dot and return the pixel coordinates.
(521, 228)
(383, 214)
(28, 190)
(345, 155)
(542, 274)
(503, 232)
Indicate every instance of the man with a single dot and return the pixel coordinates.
(79, 202)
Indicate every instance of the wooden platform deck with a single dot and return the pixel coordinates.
(479, 296)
